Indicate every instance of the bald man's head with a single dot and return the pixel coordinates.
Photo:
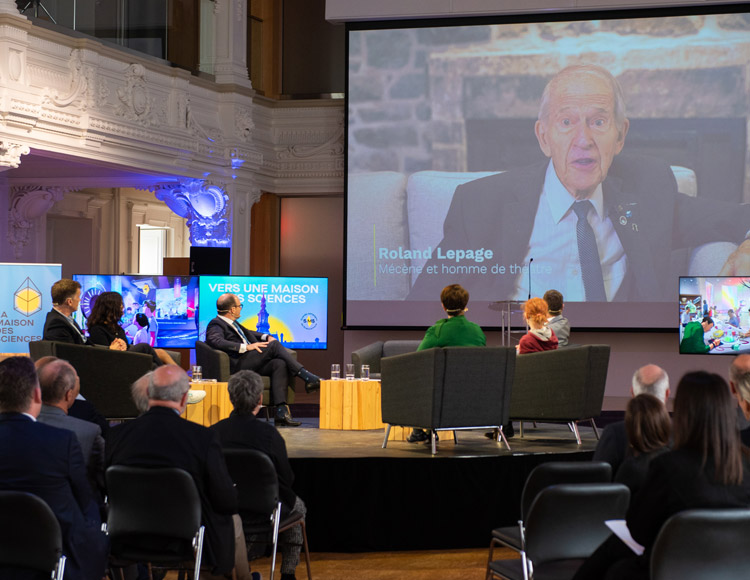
(168, 383)
(653, 380)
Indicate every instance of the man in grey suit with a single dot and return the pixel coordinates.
(60, 386)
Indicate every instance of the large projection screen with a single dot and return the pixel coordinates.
(452, 176)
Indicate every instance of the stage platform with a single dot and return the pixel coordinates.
(363, 498)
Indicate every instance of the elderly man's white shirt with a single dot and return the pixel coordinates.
(554, 245)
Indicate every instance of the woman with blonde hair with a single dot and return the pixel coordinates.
(540, 337)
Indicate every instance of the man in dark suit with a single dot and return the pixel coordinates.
(48, 462)
(241, 430)
(161, 438)
(59, 383)
(598, 224)
(613, 444)
(60, 325)
(253, 351)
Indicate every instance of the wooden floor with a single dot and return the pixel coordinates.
(424, 565)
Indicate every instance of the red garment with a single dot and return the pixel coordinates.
(532, 343)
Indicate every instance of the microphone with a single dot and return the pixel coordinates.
(530, 260)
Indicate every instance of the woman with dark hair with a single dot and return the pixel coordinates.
(647, 427)
(708, 468)
(104, 326)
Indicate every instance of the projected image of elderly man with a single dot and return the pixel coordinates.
(599, 224)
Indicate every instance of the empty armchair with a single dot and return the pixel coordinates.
(448, 389)
(373, 353)
(565, 385)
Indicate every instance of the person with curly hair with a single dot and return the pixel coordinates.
(104, 326)
(540, 336)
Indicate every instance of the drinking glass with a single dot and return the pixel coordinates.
(197, 373)
(335, 372)
(350, 372)
(365, 374)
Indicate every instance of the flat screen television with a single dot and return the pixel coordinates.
(436, 108)
(169, 302)
(726, 300)
(293, 310)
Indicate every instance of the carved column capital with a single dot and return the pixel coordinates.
(27, 204)
(205, 205)
(10, 153)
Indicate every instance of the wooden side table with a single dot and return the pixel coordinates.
(350, 405)
(213, 408)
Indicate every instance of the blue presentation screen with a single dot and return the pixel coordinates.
(294, 310)
(169, 302)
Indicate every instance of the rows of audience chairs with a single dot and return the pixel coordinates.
(564, 507)
(160, 525)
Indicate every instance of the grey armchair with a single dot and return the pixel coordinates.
(565, 385)
(105, 375)
(215, 365)
(373, 353)
(448, 389)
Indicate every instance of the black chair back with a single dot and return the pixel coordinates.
(566, 521)
(703, 544)
(154, 513)
(30, 536)
(557, 472)
(257, 484)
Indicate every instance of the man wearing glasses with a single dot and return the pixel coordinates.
(262, 353)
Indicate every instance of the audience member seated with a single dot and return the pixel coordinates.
(58, 381)
(540, 337)
(647, 426)
(47, 461)
(707, 469)
(139, 392)
(613, 444)
(557, 322)
(252, 351)
(243, 431)
(739, 382)
(161, 438)
(456, 330)
(104, 328)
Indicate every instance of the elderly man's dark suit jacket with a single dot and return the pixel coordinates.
(48, 462)
(161, 438)
(498, 212)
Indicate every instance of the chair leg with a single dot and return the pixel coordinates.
(60, 568)
(307, 551)
(455, 439)
(275, 537)
(432, 440)
(596, 431)
(574, 427)
(501, 434)
(199, 551)
(493, 543)
(521, 429)
(387, 433)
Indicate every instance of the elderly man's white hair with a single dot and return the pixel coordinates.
(739, 375)
(651, 379)
(585, 69)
